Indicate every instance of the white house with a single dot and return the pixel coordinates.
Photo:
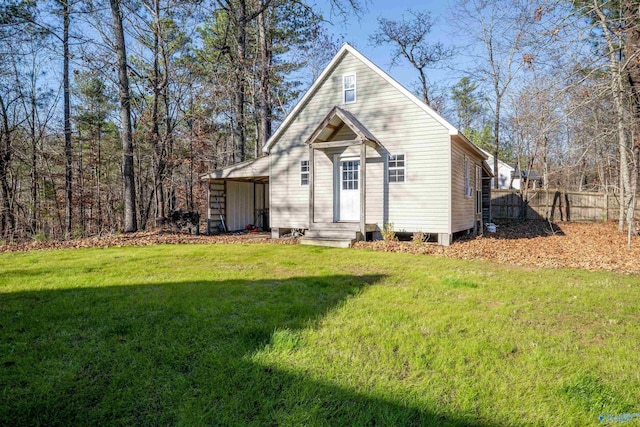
(357, 152)
(505, 173)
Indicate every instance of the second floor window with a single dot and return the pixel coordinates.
(304, 172)
(349, 88)
(396, 168)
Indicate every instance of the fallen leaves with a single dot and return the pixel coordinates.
(590, 246)
(144, 239)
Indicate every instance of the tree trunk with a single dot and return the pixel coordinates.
(34, 165)
(631, 12)
(239, 96)
(68, 171)
(158, 148)
(425, 88)
(265, 101)
(130, 223)
(496, 139)
(617, 91)
(7, 217)
(98, 179)
(545, 176)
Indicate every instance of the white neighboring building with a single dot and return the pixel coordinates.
(505, 172)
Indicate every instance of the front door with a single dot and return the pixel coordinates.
(348, 193)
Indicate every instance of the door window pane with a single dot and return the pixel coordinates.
(350, 175)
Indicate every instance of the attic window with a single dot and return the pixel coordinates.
(349, 88)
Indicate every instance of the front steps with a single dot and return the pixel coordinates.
(333, 234)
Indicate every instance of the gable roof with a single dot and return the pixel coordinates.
(348, 119)
(347, 48)
(500, 162)
(487, 168)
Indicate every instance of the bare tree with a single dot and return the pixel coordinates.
(497, 31)
(617, 71)
(408, 36)
(7, 216)
(68, 154)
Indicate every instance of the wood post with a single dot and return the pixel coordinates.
(208, 206)
(363, 190)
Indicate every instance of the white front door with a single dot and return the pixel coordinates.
(348, 193)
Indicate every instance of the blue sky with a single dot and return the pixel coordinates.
(357, 31)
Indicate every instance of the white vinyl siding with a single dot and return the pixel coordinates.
(397, 168)
(422, 203)
(462, 207)
(349, 88)
(323, 176)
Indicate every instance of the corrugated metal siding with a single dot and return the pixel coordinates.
(421, 203)
(240, 208)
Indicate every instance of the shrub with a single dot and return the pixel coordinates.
(40, 236)
(77, 232)
(418, 237)
(388, 234)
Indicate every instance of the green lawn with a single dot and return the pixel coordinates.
(296, 335)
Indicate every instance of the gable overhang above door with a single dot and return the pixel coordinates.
(325, 134)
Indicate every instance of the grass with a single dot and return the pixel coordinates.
(295, 335)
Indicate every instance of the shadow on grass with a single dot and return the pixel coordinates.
(177, 353)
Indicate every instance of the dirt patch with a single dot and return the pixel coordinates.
(144, 239)
(591, 246)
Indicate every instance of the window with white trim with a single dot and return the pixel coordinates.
(304, 172)
(478, 189)
(467, 178)
(349, 88)
(397, 167)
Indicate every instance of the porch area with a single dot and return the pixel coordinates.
(238, 197)
(338, 181)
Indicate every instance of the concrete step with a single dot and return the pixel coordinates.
(353, 226)
(330, 242)
(331, 234)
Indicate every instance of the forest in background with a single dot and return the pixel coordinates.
(110, 110)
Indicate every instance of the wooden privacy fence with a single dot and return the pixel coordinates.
(560, 205)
